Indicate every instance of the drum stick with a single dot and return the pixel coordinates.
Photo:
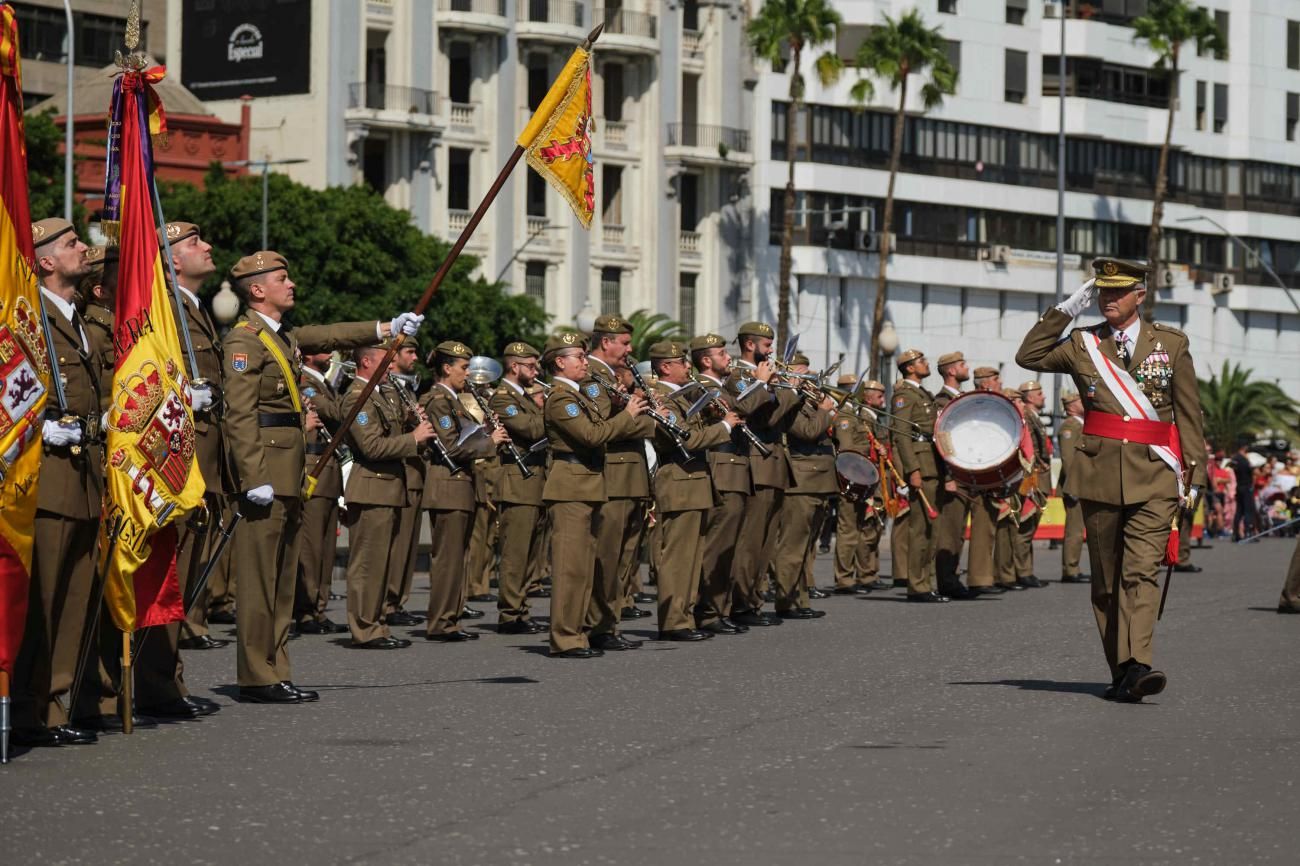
(898, 479)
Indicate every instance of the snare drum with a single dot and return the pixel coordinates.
(981, 436)
(857, 475)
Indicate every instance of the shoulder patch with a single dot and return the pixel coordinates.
(900, 402)
(1066, 434)
(239, 362)
(592, 390)
(445, 422)
(363, 418)
(512, 410)
(672, 417)
(571, 410)
(309, 391)
(845, 424)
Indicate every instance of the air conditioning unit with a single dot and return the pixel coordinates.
(1166, 279)
(998, 254)
(869, 242)
(1221, 283)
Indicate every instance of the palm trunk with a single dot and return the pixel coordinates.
(1158, 202)
(787, 227)
(887, 224)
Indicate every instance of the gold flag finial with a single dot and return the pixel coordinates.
(133, 26)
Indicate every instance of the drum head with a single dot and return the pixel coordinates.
(856, 469)
(979, 430)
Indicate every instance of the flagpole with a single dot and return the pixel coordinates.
(126, 712)
(4, 716)
(398, 339)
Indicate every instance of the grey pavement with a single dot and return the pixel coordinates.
(884, 733)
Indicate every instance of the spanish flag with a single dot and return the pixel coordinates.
(557, 140)
(24, 364)
(152, 478)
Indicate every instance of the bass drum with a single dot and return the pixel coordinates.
(857, 475)
(982, 437)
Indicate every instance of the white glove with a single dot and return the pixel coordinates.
(200, 397)
(406, 323)
(59, 434)
(1081, 300)
(263, 494)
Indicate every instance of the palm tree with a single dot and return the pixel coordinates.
(648, 329)
(892, 52)
(793, 25)
(1165, 27)
(1235, 406)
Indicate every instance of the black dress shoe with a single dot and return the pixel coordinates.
(754, 618)
(801, 613)
(520, 626)
(334, 596)
(987, 590)
(34, 738)
(452, 636)
(720, 627)
(628, 614)
(201, 642)
(182, 708)
(927, 597)
(1076, 578)
(305, 695)
(312, 626)
(540, 592)
(222, 617)
(644, 598)
(275, 694)
(332, 627)
(1189, 568)
(383, 643)
(578, 652)
(483, 597)
(613, 643)
(74, 736)
(1286, 608)
(961, 593)
(728, 621)
(685, 634)
(401, 617)
(1030, 582)
(1013, 587)
(898, 583)
(818, 593)
(1112, 690)
(848, 590)
(1140, 682)
(880, 584)
(202, 706)
(113, 724)
(471, 613)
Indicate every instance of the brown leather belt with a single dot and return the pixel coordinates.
(567, 457)
(316, 448)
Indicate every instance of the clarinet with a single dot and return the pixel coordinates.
(437, 452)
(511, 450)
(720, 406)
(675, 430)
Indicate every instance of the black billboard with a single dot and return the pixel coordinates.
(230, 48)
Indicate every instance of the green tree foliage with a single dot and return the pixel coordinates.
(353, 257)
(45, 169)
(1234, 405)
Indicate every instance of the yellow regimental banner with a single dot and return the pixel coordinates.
(557, 139)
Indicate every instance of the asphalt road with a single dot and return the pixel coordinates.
(885, 733)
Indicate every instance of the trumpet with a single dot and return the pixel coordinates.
(721, 408)
(435, 452)
(484, 371)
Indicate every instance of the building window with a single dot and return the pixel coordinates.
(848, 38)
(374, 164)
(535, 205)
(460, 72)
(535, 282)
(1200, 105)
(1292, 114)
(611, 290)
(611, 195)
(1016, 11)
(1017, 63)
(1221, 21)
(458, 178)
(613, 98)
(539, 79)
(948, 6)
(952, 48)
(1220, 107)
(686, 301)
(1293, 45)
(688, 200)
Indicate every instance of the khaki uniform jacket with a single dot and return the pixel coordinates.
(380, 446)
(915, 404)
(729, 461)
(579, 429)
(256, 387)
(524, 421)
(98, 321)
(1068, 436)
(766, 419)
(812, 454)
(487, 470)
(942, 399)
(1113, 471)
(1042, 461)
(72, 485)
(210, 445)
(329, 484)
(627, 475)
(442, 490)
(850, 433)
(681, 484)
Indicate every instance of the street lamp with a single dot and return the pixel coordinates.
(225, 304)
(888, 346)
(544, 227)
(1250, 253)
(586, 318)
(265, 165)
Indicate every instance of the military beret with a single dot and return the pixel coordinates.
(708, 341)
(1031, 385)
(847, 380)
(667, 350)
(755, 329)
(560, 342)
(260, 262)
(453, 349)
(800, 359)
(874, 385)
(611, 323)
(986, 372)
(177, 232)
(1069, 397)
(1013, 393)
(1118, 273)
(519, 349)
(950, 358)
(49, 230)
(908, 356)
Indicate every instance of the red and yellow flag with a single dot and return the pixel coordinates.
(557, 139)
(24, 364)
(152, 477)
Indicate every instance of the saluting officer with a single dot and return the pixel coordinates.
(919, 464)
(264, 423)
(859, 524)
(519, 499)
(1070, 436)
(1142, 454)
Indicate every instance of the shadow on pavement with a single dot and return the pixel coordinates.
(1040, 686)
(232, 691)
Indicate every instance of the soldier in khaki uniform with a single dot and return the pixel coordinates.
(481, 557)
(954, 500)
(377, 497)
(1068, 436)
(859, 524)
(519, 498)
(1129, 493)
(398, 388)
(320, 512)
(578, 429)
(1290, 600)
(97, 290)
(71, 483)
(732, 486)
(1035, 489)
(770, 475)
(265, 428)
(920, 466)
(449, 498)
(990, 519)
(683, 493)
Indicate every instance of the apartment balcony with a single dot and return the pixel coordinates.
(563, 22)
(615, 137)
(688, 244)
(464, 119)
(629, 32)
(390, 106)
(473, 16)
(707, 145)
(693, 49)
(613, 236)
(456, 222)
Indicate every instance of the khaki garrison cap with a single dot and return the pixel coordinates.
(874, 385)
(799, 359)
(1013, 393)
(567, 340)
(708, 341)
(177, 232)
(611, 323)
(950, 358)
(846, 380)
(1118, 273)
(908, 356)
(453, 349)
(1069, 397)
(260, 262)
(1031, 385)
(49, 230)
(985, 372)
(519, 349)
(667, 350)
(99, 256)
(755, 329)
